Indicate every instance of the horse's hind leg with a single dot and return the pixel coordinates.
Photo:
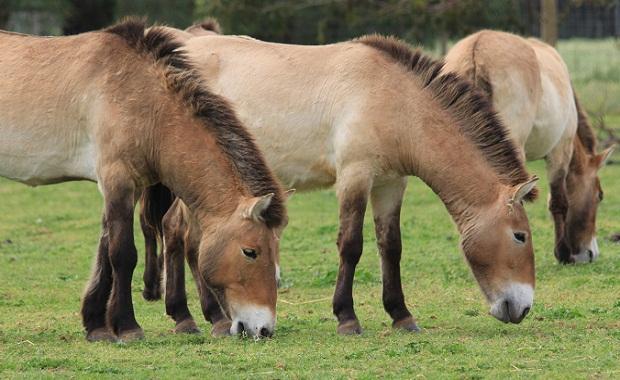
(95, 299)
(152, 265)
(353, 189)
(386, 204)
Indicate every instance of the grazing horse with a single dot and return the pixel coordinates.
(124, 108)
(531, 89)
(365, 114)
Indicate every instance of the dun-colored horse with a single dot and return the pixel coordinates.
(364, 115)
(124, 108)
(531, 89)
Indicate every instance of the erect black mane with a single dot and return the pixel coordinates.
(479, 121)
(216, 114)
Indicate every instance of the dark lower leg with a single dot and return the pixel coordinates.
(350, 245)
(558, 206)
(123, 258)
(387, 230)
(176, 298)
(95, 300)
(211, 309)
(152, 274)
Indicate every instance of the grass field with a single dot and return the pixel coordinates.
(48, 237)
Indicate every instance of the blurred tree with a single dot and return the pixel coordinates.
(5, 12)
(323, 21)
(85, 15)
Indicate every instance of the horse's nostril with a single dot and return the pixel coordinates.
(265, 332)
(591, 255)
(241, 328)
(525, 311)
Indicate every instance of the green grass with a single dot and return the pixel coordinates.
(594, 66)
(48, 236)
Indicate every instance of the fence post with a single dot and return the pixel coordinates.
(549, 21)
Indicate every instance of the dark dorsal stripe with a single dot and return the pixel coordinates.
(584, 129)
(215, 112)
(479, 122)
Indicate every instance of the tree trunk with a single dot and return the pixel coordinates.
(549, 21)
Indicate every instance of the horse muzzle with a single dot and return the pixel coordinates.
(587, 254)
(514, 303)
(254, 321)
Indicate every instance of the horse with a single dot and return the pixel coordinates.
(363, 115)
(124, 108)
(531, 89)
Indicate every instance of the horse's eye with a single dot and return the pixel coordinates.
(519, 237)
(250, 253)
(600, 196)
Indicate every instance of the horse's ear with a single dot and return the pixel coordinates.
(525, 191)
(602, 157)
(208, 26)
(256, 206)
(288, 194)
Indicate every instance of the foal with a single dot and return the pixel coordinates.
(123, 107)
(364, 115)
(531, 89)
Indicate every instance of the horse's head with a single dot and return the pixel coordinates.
(238, 260)
(498, 246)
(584, 193)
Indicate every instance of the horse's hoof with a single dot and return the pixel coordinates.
(221, 329)
(406, 324)
(151, 294)
(131, 335)
(351, 327)
(187, 326)
(101, 334)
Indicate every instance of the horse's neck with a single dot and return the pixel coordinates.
(193, 166)
(580, 155)
(452, 166)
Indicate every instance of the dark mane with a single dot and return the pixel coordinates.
(215, 112)
(584, 129)
(479, 121)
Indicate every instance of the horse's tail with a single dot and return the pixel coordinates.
(154, 203)
(584, 128)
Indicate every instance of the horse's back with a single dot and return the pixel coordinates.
(505, 67)
(47, 98)
(308, 96)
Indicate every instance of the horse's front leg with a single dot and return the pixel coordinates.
(211, 309)
(174, 264)
(386, 204)
(119, 197)
(353, 193)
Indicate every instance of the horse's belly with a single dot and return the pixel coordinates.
(541, 141)
(305, 176)
(32, 162)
